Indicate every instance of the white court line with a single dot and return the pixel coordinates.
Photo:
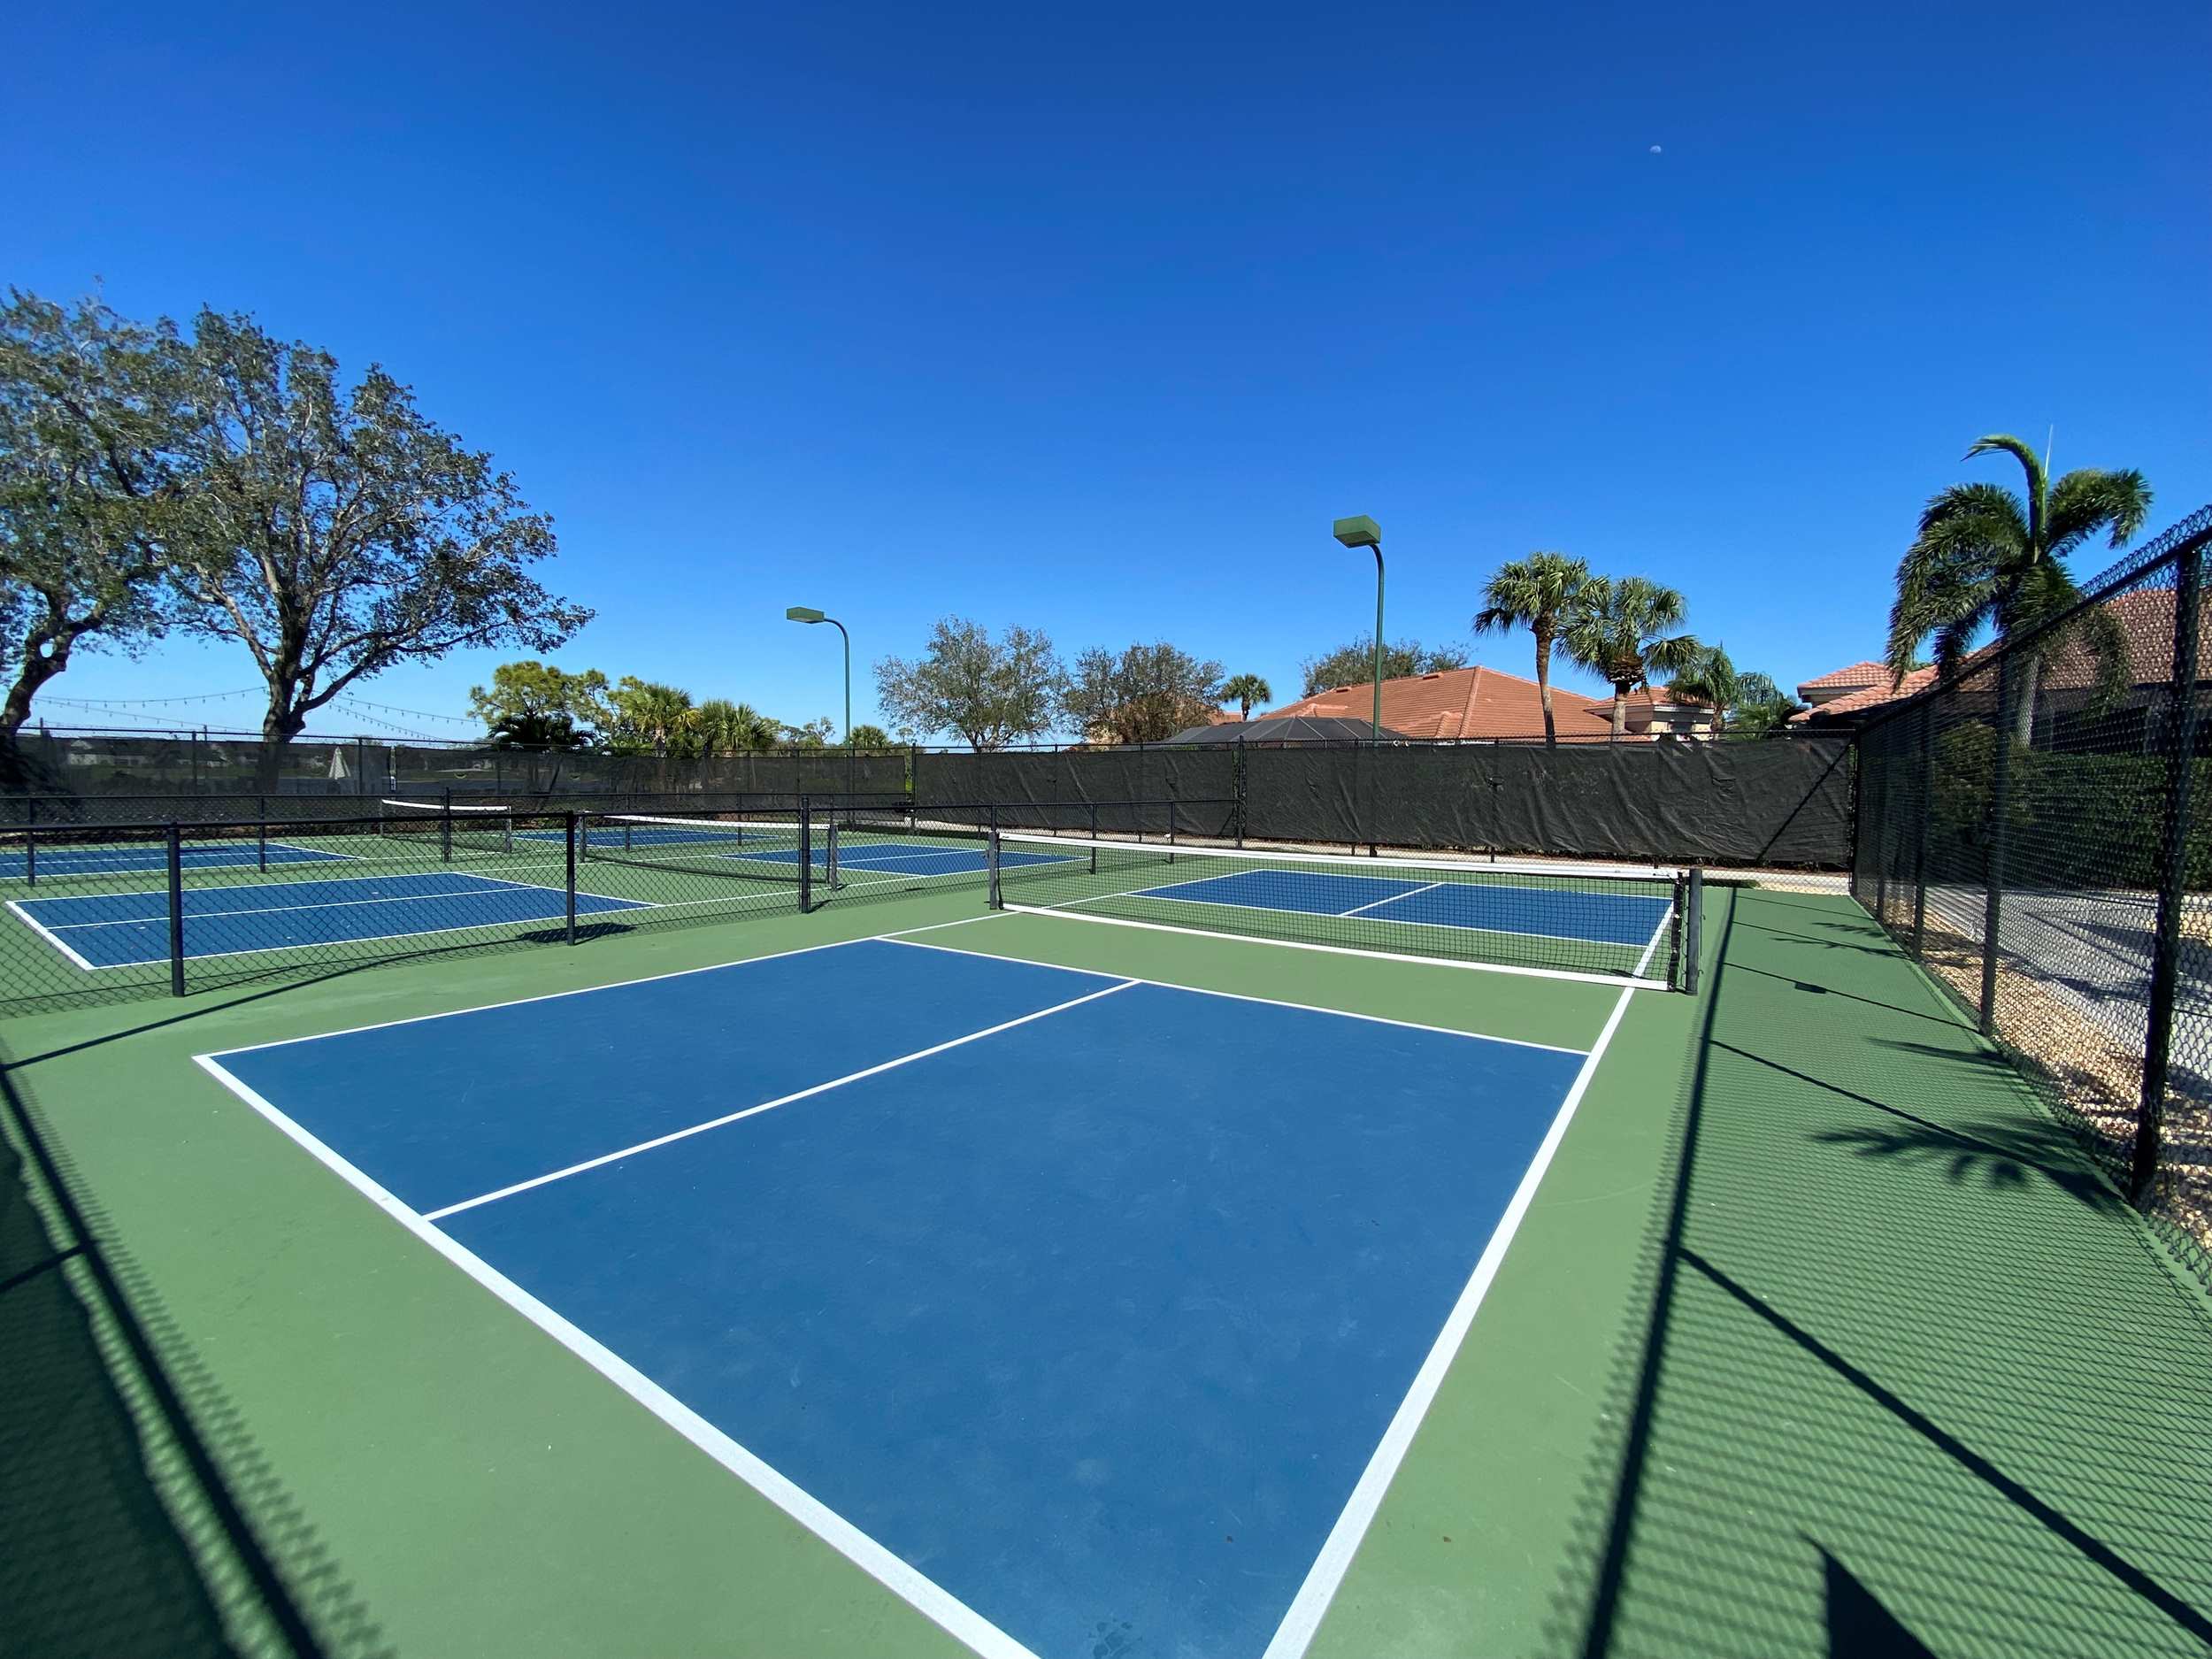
(50, 937)
(190, 915)
(1163, 897)
(1350, 950)
(1426, 886)
(1234, 996)
(916, 1590)
(370, 939)
(1303, 1618)
(548, 997)
(754, 1111)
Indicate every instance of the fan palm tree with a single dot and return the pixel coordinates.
(1619, 628)
(727, 728)
(1984, 556)
(1244, 690)
(1534, 593)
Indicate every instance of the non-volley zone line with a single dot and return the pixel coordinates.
(989, 1256)
(121, 930)
(152, 857)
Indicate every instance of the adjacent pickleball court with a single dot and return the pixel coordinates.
(1073, 1306)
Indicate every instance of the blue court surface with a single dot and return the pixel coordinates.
(1059, 1302)
(121, 930)
(152, 857)
(1500, 906)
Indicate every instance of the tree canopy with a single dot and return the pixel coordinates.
(1354, 665)
(95, 485)
(337, 533)
(530, 696)
(1244, 690)
(1144, 693)
(992, 692)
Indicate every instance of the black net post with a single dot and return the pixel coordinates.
(2173, 857)
(261, 833)
(1690, 934)
(995, 890)
(30, 852)
(176, 908)
(806, 857)
(1094, 805)
(1999, 813)
(568, 839)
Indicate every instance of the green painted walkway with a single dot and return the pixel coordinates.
(1820, 1339)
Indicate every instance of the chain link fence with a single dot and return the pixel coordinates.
(2035, 829)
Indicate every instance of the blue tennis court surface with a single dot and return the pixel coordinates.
(152, 857)
(118, 930)
(1088, 1299)
(1615, 918)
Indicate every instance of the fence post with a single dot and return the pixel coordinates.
(176, 909)
(1920, 835)
(2173, 859)
(2000, 800)
(569, 825)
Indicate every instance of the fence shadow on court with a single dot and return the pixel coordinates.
(141, 1519)
(1903, 1375)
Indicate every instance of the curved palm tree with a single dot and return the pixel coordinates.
(1534, 593)
(727, 728)
(1714, 677)
(1619, 627)
(1244, 690)
(1985, 557)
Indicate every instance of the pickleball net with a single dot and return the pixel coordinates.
(757, 848)
(1619, 924)
(451, 828)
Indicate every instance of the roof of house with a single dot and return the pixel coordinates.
(1858, 674)
(1462, 703)
(2145, 620)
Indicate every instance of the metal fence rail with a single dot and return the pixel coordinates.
(2034, 830)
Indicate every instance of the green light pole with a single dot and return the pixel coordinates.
(1364, 532)
(804, 613)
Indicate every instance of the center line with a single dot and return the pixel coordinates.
(753, 1112)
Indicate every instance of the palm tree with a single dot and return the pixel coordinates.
(1534, 594)
(727, 728)
(1713, 677)
(1982, 556)
(1245, 690)
(1618, 628)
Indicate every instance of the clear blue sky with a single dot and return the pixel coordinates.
(1093, 318)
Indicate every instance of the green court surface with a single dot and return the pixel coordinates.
(1819, 1337)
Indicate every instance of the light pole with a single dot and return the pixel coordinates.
(804, 613)
(1364, 532)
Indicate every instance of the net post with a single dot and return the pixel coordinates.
(1999, 794)
(175, 838)
(568, 837)
(30, 851)
(1094, 838)
(445, 827)
(261, 832)
(806, 858)
(994, 890)
(2173, 859)
(1690, 936)
(1170, 830)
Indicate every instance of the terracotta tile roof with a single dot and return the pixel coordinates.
(1469, 702)
(1867, 696)
(2146, 619)
(1857, 675)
